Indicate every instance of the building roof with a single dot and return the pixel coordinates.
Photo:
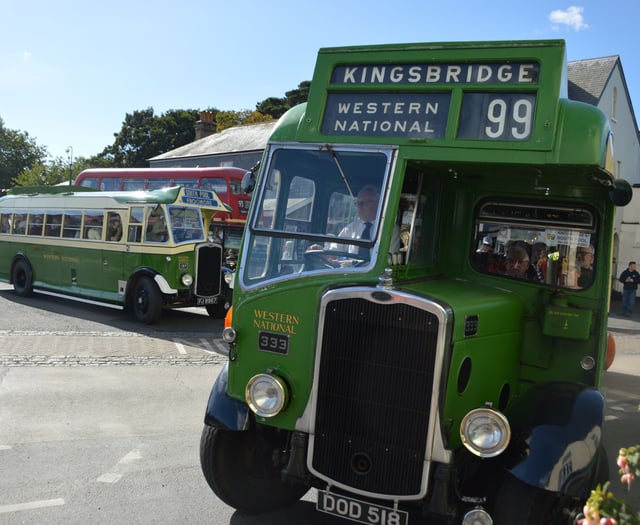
(250, 137)
(589, 77)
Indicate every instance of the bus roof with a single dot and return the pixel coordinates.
(40, 197)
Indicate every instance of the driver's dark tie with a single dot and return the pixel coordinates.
(366, 234)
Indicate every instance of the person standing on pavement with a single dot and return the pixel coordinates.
(630, 279)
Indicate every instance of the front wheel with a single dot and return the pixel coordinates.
(218, 311)
(239, 468)
(22, 278)
(147, 301)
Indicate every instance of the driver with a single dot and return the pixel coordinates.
(361, 228)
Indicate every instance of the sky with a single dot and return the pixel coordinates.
(71, 70)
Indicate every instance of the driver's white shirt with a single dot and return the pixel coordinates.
(353, 230)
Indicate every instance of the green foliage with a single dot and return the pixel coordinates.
(276, 107)
(18, 152)
(144, 135)
(229, 119)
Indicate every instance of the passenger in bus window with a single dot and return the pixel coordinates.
(539, 260)
(93, 230)
(157, 226)
(114, 233)
(518, 263)
(584, 260)
(485, 247)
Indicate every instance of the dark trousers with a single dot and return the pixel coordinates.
(628, 302)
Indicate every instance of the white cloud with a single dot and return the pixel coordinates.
(26, 55)
(571, 17)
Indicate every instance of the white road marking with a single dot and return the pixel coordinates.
(132, 456)
(109, 477)
(5, 447)
(114, 476)
(4, 509)
(217, 346)
(610, 418)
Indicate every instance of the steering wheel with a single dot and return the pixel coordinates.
(331, 258)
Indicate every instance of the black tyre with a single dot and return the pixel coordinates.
(146, 301)
(521, 503)
(238, 466)
(22, 278)
(218, 311)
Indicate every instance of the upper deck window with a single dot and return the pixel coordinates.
(552, 245)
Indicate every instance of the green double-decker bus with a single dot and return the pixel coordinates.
(419, 326)
(142, 250)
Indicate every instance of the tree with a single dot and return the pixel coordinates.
(18, 152)
(144, 135)
(229, 119)
(276, 107)
(299, 95)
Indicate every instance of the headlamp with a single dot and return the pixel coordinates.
(485, 432)
(266, 395)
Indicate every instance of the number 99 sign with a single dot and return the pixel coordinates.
(497, 116)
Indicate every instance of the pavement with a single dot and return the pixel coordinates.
(623, 325)
(626, 334)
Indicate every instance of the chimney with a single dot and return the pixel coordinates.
(206, 125)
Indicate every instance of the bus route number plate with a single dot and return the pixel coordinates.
(360, 511)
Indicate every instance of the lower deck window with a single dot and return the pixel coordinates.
(556, 246)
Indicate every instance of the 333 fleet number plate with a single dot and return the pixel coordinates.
(360, 511)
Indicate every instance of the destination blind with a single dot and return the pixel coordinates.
(502, 114)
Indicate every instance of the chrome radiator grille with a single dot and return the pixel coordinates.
(374, 395)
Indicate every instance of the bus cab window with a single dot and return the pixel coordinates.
(156, 225)
(135, 225)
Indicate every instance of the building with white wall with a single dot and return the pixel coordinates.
(601, 82)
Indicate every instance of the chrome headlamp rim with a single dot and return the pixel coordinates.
(186, 279)
(229, 334)
(482, 425)
(266, 395)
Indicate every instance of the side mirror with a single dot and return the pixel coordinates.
(248, 182)
(621, 192)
